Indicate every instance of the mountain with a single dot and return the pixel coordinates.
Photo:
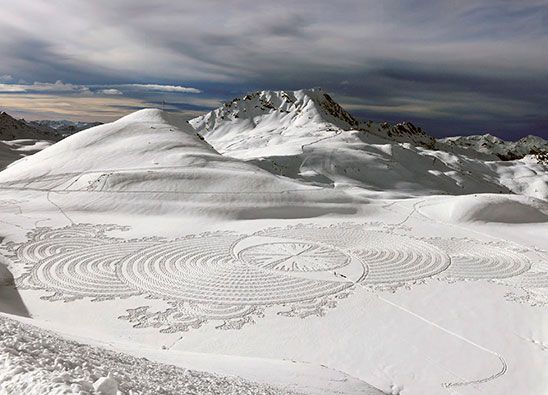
(273, 122)
(18, 139)
(282, 122)
(156, 156)
(505, 150)
(306, 136)
(63, 127)
(13, 129)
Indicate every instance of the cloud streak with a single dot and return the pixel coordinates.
(160, 88)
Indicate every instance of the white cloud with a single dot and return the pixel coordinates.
(12, 88)
(6, 78)
(110, 92)
(58, 86)
(161, 88)
(106, 89)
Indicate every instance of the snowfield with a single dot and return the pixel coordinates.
(279, 246)
(36, 361)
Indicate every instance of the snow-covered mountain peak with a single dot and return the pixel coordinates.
(279, 122)
(297, 108)
(282, 122)
(505, 150)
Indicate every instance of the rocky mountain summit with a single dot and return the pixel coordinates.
(505, 150)
(14, 129)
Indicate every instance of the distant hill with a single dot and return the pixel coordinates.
(14, 129)
(505, 150)
(64, 127)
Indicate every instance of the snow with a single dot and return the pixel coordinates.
(300, 252)
(492, 145)
(291, 134)
(489, 208)
(18, 139)
(106, 386)
(163, 157)
(35, 361)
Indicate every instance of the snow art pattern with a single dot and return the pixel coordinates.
(232, 279)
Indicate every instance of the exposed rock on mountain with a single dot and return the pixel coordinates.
(404, 132)
(64, 127)
(13, 129)
(505, 150)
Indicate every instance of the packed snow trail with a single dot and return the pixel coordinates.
(504, 367)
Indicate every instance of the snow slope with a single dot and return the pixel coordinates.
(160, 157)
(137, 239)
(38, 362)
(291, 133)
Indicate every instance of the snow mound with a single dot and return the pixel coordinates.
(147, 150)
(34, 361)
(154, 161)
(488, 208)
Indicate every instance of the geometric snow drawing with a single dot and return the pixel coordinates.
(232, 278)
(471, 259)
(296, 256)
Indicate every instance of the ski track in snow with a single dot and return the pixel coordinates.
(504, 365)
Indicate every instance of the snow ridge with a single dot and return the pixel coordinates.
(298, 107)
(505, 150)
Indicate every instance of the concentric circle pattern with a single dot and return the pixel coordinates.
(473, 260)
(228, 277)
(202, 270)
(294, 256)
(395, 259)
(86, 272)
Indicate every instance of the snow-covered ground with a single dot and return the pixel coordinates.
(371, 266)
(40, 362)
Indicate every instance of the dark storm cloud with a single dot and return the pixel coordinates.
(452, 66)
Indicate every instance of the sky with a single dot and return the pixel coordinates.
(450, 66)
